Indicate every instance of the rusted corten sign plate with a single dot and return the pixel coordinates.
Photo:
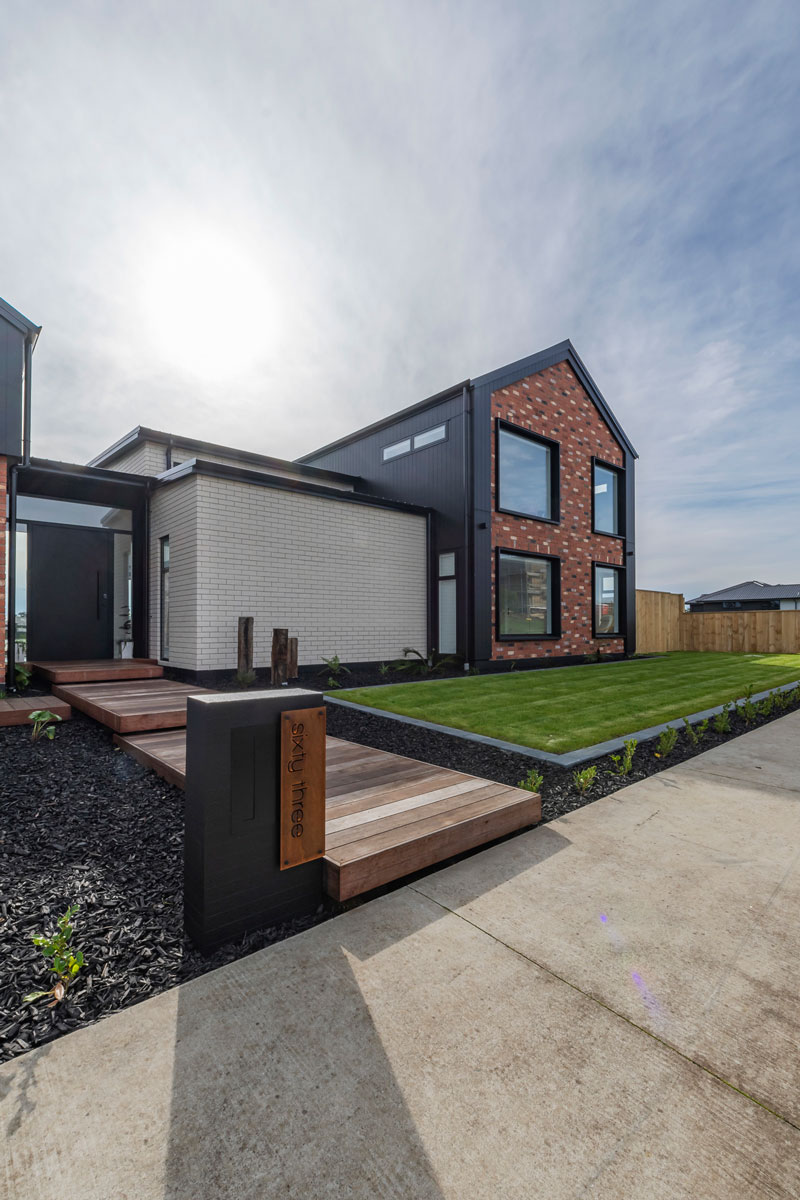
(302, 786)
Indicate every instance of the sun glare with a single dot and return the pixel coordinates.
(210, 310)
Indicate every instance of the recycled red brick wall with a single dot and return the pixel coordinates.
(554, 404)
(3, 543)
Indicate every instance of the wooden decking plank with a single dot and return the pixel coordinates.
(379, 842)
(484, 790)
(343, 880)
(360, 801)
(86, 670)
(16, 710)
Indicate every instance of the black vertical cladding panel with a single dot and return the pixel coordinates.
(481, 576)
(630, 553)
(12, 359)
(140, 580)
(433, 476)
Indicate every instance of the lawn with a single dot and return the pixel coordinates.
(566, 709)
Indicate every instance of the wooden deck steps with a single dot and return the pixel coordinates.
(15, 710)
(387, 816)
(98, 670)
(129, 706)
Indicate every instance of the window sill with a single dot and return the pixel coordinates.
(510, 512)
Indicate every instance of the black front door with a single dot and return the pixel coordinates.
(70, 593)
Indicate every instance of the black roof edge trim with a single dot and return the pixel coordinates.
(81, 471)
(143, 434)
(385, 422)
(199, 466)
(560, 352)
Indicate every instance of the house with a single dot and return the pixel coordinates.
(751, 596)
(493, 521)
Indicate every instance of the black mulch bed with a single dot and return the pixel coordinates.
(82, 823)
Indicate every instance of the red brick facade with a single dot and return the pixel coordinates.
(553, 403)
(3, 485)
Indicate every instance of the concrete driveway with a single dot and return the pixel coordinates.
(604, 1007)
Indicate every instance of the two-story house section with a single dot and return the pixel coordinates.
(530, 482)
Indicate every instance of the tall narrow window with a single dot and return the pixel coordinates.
(164, 542)
(607, 601)
(527, 474)
(527, 596)
(447, 603)
(607, 507)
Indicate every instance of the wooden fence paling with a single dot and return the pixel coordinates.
(662, 625)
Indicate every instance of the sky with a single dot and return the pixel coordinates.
(266, 224)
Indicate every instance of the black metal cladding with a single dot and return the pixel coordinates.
(434, 476)
(12, 359)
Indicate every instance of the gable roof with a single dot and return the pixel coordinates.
(15, 318)
(752, 589)
(561, 352)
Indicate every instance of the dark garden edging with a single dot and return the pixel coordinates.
(572, 758)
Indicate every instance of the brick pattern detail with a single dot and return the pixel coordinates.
(554, 404)
(348, 579)
(3, 565)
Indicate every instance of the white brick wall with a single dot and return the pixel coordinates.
(347, 579)
(148, 458)
(173, 513)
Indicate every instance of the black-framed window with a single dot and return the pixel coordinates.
(608, 614)
(164, 601)
(527, 474)
(608, 499)
(528, 596)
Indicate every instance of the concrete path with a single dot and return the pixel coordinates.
(604, 1007)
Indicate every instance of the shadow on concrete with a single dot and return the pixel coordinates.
(281, 1087)
(22, 1082)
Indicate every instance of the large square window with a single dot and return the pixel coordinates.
(526, 596)
(607, 601)
(607, 506)
(527, 481)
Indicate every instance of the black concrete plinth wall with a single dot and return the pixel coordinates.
(232, 880)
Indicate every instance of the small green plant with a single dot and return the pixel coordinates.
(65, 962)
(695, 733)
(44, 724)
(245, 679)
(781, 700)
(722, 721)
(666, 742)
(474, 671)
(584, 779)
(533, 781)
(333, 683)
(748, 710)
(335, 667)
(22, 676)
(623, 763)
(764, 707)
(595, 656)
(383, 670)
(442, 662)
(413, 661)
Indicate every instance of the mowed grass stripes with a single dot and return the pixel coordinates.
(566, 709)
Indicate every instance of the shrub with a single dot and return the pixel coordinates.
(623, 763)
(413, 661)
(748, 711)
(65, 962)
(764, 707)
(22, 676)
(383, 670)
(696, 733)
(533, 781)
(666, 742)
(722, 721)
(335, 667)
(584, 779)
(44, 723)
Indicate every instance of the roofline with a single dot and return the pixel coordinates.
(142, 434)
(20, 322)
(501, 377)
(81, 471)
(383, 422)
(199, 466)
(560, 352)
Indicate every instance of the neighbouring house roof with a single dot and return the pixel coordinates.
(142, 434)
(561, 352)
(752, 589)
